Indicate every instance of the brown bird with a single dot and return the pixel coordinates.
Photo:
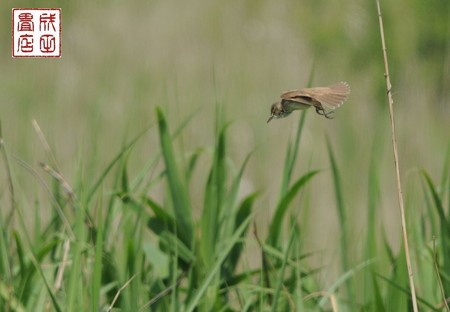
(324, 99)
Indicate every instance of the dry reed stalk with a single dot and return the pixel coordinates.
(397, 169)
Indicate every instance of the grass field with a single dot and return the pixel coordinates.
(138, 172)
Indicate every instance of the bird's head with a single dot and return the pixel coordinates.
(278, 110)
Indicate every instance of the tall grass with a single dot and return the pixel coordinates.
(123, 249)
(188, 215)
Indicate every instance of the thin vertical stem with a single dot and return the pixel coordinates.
(436, 267)
(397, 169)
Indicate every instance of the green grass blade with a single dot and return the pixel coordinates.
(192, 164)
(406, 291)
(214, 201)
(98, 258)
(280, 278)
(163, 225)
(157, 155)
(162, 220)
(75, 284)
(444, 222)
(102, 177)
(373, 201)
(292, 152)
(344, 278)
(291, 155)
(233, 194)
(215, 269)
(124, 182)
(10, 300)
(277, 222)
(437, 200)
(379, 304)
(340, 205)
(446, 170)
(244, 211)
(55, 303)
(233, 213)
(29, 270)
(178, 191)
(297, 273)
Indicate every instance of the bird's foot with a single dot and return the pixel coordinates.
(322, 112)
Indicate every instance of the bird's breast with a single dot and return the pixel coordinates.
(293, 105)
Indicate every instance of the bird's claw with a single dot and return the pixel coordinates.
(321, 111)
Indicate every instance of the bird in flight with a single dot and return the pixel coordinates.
(324, 99)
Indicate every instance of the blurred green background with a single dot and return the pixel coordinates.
(122, 59)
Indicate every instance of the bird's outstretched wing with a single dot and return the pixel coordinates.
(327, 98)
(298, 96)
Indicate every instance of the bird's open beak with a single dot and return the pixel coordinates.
(270, 118)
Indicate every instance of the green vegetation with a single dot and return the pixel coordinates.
(150, 181)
